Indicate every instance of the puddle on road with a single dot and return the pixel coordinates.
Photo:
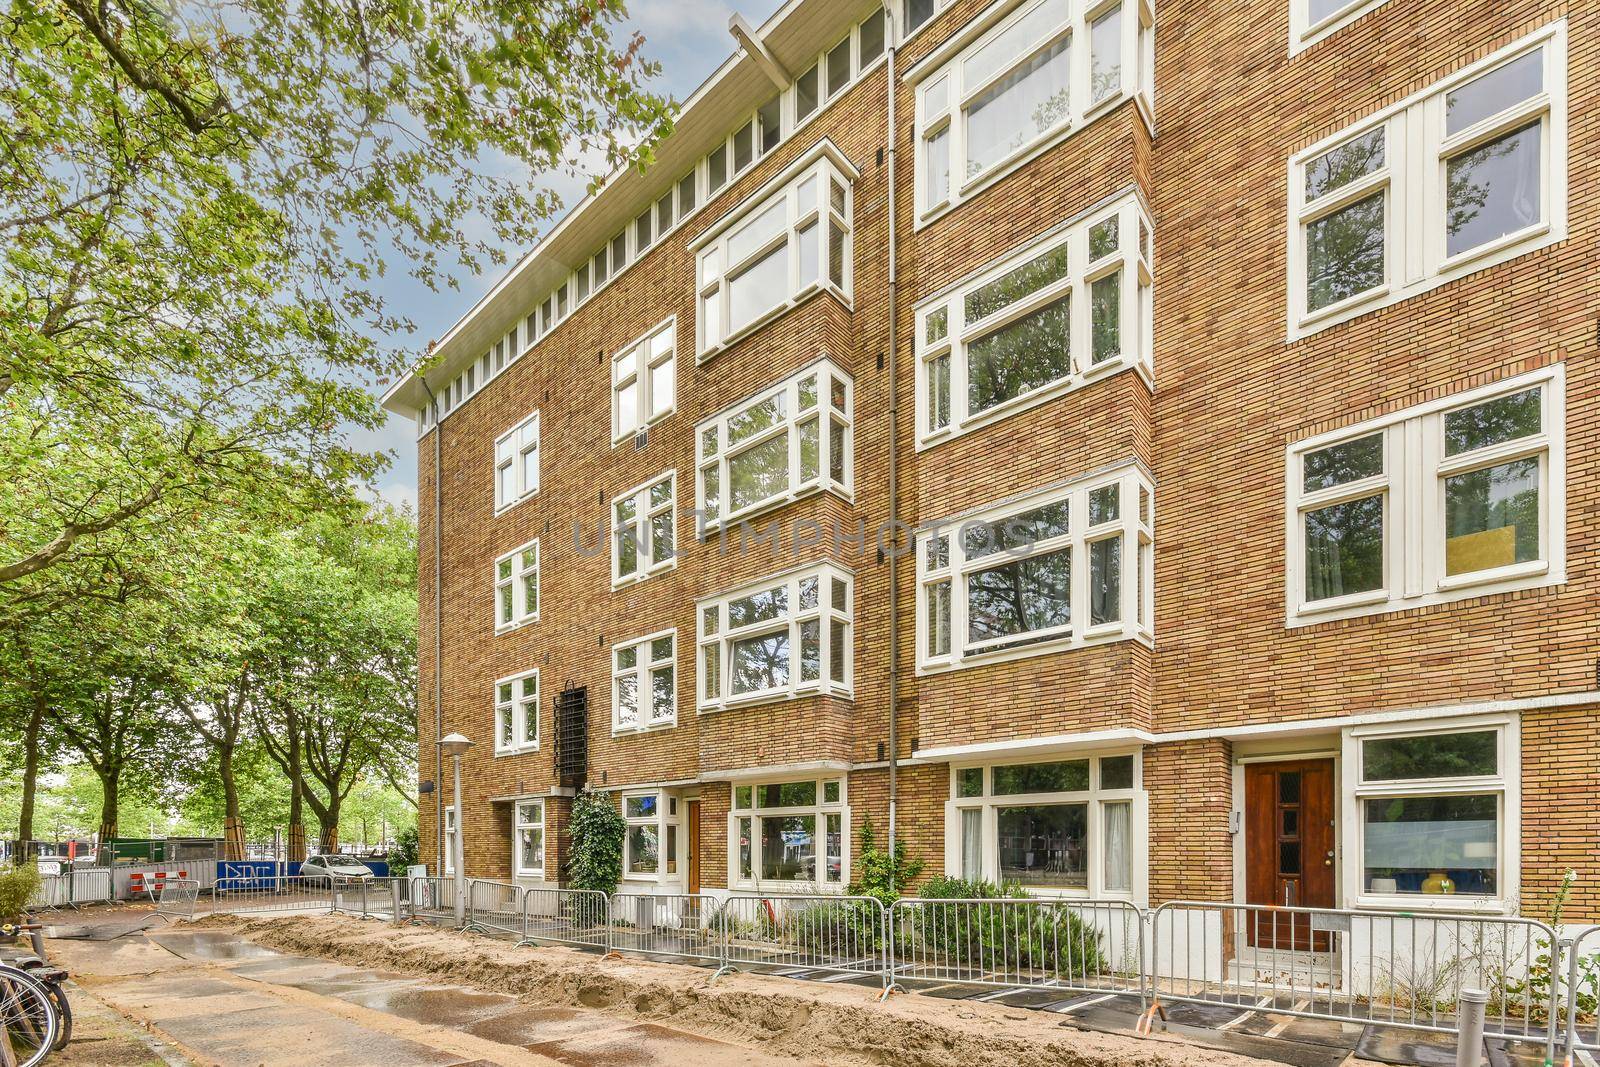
(643, 1045)
(451, 1007)
(209, 945)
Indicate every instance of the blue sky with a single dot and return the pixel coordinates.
(689, 38)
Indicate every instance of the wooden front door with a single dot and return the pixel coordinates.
(694, 845)
(1288, 849)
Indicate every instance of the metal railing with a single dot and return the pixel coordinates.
(580, 917)
(798, 934)
(1581, 1004)
(284, 893)
(494, 907)
(1088, 946)
(681, 925)
(1388, 968)
(178, 898)
(431, 898)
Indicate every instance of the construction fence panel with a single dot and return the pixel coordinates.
(494, 907)
(178, 898)
(1581, 1000)
(274, 893)
(1077, 946)
(578, 917)
(431, 898)
(802, 933)
(680, 925)
(1391, 968)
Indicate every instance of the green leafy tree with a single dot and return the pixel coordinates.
(597, 831)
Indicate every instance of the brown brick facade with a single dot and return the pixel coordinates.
(1231, 394)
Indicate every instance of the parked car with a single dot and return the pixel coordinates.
(324, 870)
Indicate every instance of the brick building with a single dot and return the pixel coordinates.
(1239, 398)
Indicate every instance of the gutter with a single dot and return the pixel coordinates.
(891, 38)
(438, 640)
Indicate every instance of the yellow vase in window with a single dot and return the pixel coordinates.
(1438, 882)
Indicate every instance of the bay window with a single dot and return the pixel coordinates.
(516, 714)
(788, 441)
(1072, 307)
(1037, 575)
(644, 692)
(642, 381)
(1064, 826)
(792, 240)
(792, 832)
(1459, 497)
(527, 838)
(516, 463)
(643, 535)
(1042, 71)
(650, 843)
(516, 587)
(777, 639)
(1461, 176)
(1434, 810)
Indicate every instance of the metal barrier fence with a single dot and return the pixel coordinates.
(800, 933)
(1386, 967)
(494, 907)
(178, 898)
(683, 925)
(1089, 946)
(1582, 1002)
(580, 917)
(276, 893)
(431, 897)
(71, 888)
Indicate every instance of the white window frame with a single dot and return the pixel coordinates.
(1415, 468)
(510, 572)
(823, 168)
(1134, 525)
(1506, 784)
(643, 674)
(519, 824)
(1413, 178)
(822, 811)
(712, 438)
(659, 821)
(1303, 32)
(512, 484)
(1131, 261)
(1095, 798)
(450, 830)
(943, 96)
(644, 512)
(515, 709)
(716, 638)
(645, 361)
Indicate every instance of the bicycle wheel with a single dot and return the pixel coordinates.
(58, 999)
(30, 1019)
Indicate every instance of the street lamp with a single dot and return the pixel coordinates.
(455, 746)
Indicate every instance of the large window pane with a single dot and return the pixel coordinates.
(1105, 581)
(758, 607)
(1105, 298)
(937, 166)
(1105, 55)
(1067, 776)
(1431, 845)
(759, 473)
(971, 844)
(788, 848)
(1019, 357)
(1020, 107)
(1020, 531)
(1341, 165)
(1388, 759)
(787, 794)
(1493, 190)
(1497, 90)
(1015, 284)
(1504, 418)
(1021, 597)
(1344, 548)
(1118, 818)
(643, 849)
(758, 288)
(1013, 42)
(1344, 253)
(761, 663)
(1044, 845)
(939, 619)
(1491, 517)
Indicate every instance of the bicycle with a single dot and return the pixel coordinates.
(40, 970)
(31, 1024)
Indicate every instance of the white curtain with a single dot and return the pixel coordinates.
(971, 843)
(1118, 817)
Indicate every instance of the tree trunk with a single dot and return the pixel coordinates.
(329, 840)
(108, 813)
(232, 825)
(30, 773)
(296, 851)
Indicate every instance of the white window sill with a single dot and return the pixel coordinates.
(1533, 568)
(502, 509)
(649, 728)
(773, 696)
(1430, 902)
(1104, 634)
(810, 489)
(511, 627)
(518, 750)
(645, 427)
(1535, 574)
(781, 889)
(1034, 398)
(644, 576)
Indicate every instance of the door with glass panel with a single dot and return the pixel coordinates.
(1288, 850)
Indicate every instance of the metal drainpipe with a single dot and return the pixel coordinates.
(891, 35)
(438, 639)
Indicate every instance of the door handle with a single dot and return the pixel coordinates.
(1328, 861)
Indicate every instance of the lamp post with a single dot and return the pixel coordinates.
(455, 746)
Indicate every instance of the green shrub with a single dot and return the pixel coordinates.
(597, 832)
(879, 876)
(1041, 935)
(404, 852)
(17, 887)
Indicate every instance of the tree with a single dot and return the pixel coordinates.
(196, 207)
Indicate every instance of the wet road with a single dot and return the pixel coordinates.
(221, 1000)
